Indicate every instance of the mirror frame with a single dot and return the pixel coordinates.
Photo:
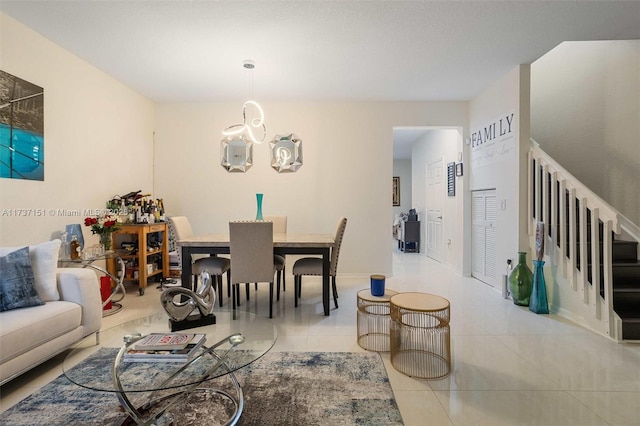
(293, 161)
(245, 164)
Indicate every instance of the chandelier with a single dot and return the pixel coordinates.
(252, 117)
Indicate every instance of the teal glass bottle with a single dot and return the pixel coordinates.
(538, 302)
(259, 201)
(521, 281)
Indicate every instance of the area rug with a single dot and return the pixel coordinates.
(282, 388)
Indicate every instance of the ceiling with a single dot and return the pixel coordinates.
(192, 51)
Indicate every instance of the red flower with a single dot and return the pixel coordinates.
(102, 225)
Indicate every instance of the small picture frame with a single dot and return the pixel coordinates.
(458, 169)
(396, 191)
(451, 180)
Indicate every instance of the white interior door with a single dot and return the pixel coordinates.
(434, 200)
(483, 237)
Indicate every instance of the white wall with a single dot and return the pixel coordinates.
(347, 169)
(585, 110)
(98, 138)
(402, 169)
(503, 167)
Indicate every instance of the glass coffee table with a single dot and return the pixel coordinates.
(149, 390)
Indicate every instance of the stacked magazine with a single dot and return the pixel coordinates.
(165, 347)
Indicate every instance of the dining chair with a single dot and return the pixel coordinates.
(313, 265)
(251, 249)
(216, 266)
(279, 227)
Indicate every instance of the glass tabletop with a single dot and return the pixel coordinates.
(99, 366)
(93, 254)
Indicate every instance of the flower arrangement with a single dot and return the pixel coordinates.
(102, 224)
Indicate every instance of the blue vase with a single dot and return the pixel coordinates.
(259, 201)
(538, 302)
(75, 229)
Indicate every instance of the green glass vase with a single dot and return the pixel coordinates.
(521, 281)
(106, 241)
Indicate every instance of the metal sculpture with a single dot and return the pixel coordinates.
(180, 304)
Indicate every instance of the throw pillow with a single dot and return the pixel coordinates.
(44, 261)
(17, 289)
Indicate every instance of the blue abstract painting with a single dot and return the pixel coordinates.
(21, 129)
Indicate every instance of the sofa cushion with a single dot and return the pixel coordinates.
(24, 329)
(17, 288)
(44, 261)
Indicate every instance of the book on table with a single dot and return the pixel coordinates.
(191, 348)
(163, 341)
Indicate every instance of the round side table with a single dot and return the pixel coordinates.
(373, 320)
(420, 335)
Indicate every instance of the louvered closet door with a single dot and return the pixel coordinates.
(483, 237)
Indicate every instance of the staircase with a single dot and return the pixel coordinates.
(626, 287)
(580, 226)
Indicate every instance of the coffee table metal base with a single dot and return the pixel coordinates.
(166, 416)
(145, 416)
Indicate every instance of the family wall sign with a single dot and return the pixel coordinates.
(494, 141)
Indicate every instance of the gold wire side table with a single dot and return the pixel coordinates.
(420, 335)
(373, 320)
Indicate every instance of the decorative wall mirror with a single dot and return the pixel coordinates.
(286, 153)
(236, 153)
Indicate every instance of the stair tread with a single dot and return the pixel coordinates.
(627, 289)
(627, 310)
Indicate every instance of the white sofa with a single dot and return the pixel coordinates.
(72, 311)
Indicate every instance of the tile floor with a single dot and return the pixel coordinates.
(509, 366)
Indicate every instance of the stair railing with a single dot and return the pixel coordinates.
(630, 229)
(578, 222)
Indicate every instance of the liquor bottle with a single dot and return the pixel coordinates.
(64, 247)
(74, 248)
(138, 212)
(162, 216)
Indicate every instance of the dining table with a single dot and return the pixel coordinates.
(283, 244)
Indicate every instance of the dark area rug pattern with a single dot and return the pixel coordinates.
(282, 388)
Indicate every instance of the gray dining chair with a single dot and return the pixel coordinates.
(279, 227)
(313, 265)
(251, 249)
(216, 266)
